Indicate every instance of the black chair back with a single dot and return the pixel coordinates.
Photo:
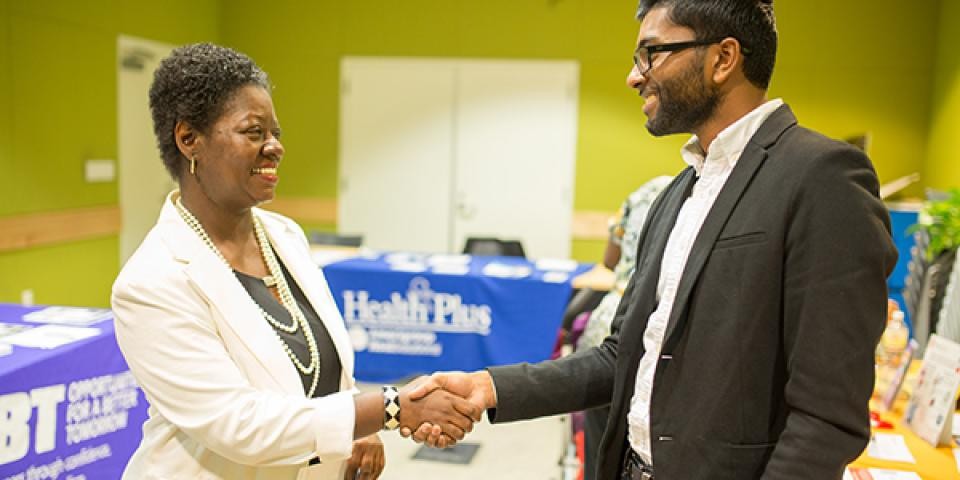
(335, 239)
(487, 246)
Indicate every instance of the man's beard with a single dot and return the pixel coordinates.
(684, 103)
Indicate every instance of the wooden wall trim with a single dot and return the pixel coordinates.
(587, 225)
(590, 225)
(32, 230)
(305, 209)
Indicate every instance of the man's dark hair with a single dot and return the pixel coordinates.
(194, 84)
(751, 22)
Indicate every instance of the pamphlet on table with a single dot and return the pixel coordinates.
(930, 411)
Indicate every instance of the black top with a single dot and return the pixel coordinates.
(329, 381)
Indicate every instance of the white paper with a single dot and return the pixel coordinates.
(882, 474)
(858, 473)
(956, 425)
(7, 329)
(51, 336)
(503, 270)
(557, 264)
(5, 349)
(405, 258)
(449, 259)
(412, 267)
(76, 316)
(556, 277)
(367, 253)
(890, 446)
(451, 269)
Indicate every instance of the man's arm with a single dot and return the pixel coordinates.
(838, 255)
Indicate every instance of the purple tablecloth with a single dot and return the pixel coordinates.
(67, 413)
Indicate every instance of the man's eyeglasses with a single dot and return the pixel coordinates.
(643, 56)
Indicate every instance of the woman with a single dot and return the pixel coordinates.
(228, 326)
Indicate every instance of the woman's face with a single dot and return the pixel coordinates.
(237, 159)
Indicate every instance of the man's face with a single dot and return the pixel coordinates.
(677, 96)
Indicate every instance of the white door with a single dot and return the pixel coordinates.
(396, 139)
(435, 150)
(143, 182)
(516, 147)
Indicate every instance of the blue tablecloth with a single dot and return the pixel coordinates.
(404, 321)
(71, 412)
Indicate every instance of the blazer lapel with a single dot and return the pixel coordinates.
(753, 156)
(226, 295)
(309, 277)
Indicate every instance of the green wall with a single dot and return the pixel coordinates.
(841, 77)
(6, 113)
(943, 168)
(845, 77)
(58, 107)
(58, 92)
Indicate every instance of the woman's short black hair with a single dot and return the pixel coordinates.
(194, 84)
(751, 22)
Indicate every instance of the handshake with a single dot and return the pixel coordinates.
(441, 409)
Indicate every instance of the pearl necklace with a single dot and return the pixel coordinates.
(276, 278)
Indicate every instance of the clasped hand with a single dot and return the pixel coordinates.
(442, 408)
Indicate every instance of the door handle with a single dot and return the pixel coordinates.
(465, 211)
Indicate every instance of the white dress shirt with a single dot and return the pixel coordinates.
(712, 169)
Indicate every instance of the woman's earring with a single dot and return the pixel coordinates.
(193, 165)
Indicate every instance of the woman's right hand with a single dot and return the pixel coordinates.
(367, 461)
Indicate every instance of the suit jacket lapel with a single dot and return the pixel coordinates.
(225, 294)
(753, 156)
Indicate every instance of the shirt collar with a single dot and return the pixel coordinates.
(731, 141)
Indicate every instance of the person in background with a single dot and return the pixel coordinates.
(225, 321)
(621, 257)
(744, 345)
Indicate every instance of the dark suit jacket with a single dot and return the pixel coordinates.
(767, 362)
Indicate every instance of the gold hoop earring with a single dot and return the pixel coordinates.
(193, 165)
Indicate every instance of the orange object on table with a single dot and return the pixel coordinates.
(932, 463)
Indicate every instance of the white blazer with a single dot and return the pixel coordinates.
(225, 400)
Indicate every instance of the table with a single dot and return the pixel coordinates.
(70, 413)
(931, 463)
(411, 314)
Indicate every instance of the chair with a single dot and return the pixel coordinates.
(488, 246)
(335, 239)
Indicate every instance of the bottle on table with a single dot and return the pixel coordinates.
(894, 340)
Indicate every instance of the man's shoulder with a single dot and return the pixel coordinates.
(804, 144)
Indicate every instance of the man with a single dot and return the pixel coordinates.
(744, 344)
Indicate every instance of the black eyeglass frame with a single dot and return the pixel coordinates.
(673, 47)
